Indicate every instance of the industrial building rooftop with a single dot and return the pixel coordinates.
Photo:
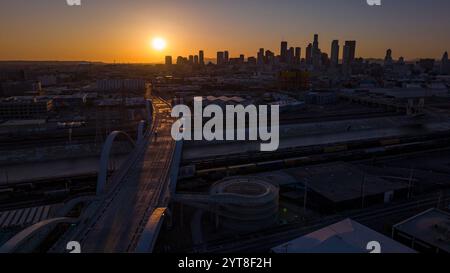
(430, 228)
(346, 236)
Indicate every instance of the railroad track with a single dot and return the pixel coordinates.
(246, 158)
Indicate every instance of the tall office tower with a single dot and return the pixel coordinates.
(388, 58)
(270, 57)
(309, 54)
(445, 58)
(349, 52)
(191, 59)
(316, 42)
(241, 58)
(290, 55)
(180, 60)
(226, 57)
(283, 51)
(168, 60)
(201, 57)
(220, 57)
(334, 53)
(324, 60)
(260, 59)
(196, 59)
(298, 55)
(445, 65)
(316, 53)
(251, 60)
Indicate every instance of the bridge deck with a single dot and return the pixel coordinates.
(121, 217)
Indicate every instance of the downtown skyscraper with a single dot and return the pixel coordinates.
(260, 58)
(349, 53)
(220, 58)
(298, 55)
(316, 53)
(334, 53)
(284, 51)
(201, 57)
(309, 54)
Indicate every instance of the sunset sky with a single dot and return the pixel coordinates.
(119, 30)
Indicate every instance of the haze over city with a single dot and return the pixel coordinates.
(122, 31)
(239, 127)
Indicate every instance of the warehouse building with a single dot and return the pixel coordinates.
(427, 232)
(25, 108)
(339, 186)
(346, 236)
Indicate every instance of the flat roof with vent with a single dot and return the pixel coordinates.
(341, 181)
(431, 226)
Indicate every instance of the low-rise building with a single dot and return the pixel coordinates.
(346, 236)
(321, 98)
(339, 186)
(25, 108)
(21, 88)
(427, 232)
(121, 84)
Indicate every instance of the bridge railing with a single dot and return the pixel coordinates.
(117, 176)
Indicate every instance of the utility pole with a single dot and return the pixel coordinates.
(305, 197)
(362, 190)
(441, 195)
(410, 183)
(6, 176)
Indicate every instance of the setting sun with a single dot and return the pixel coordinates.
(159, 44)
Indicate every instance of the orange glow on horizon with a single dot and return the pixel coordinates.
(102, 36)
